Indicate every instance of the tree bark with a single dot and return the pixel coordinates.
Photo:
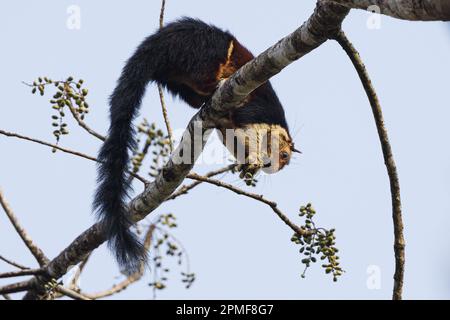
(413, 10)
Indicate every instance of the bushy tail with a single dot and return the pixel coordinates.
(114, 185)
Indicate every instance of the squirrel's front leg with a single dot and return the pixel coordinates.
(245, 144)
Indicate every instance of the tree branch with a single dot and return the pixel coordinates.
(399, 242)
(25, 272)
(16, 287)
(34, 249)
(423, 10)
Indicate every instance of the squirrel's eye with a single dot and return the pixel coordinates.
(284, 155)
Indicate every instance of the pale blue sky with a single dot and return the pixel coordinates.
(239, 248)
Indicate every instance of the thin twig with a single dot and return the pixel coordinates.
(73, 285)
(13, 263)
(258, 197)
(34, 249)
(180, 244)
(25, 272)
(399, 241)
(187, 187)
(76, 153)
(160, 88)
(166, 116)
(161, 13)
(71, 293)
(83, 124)
(412, 10)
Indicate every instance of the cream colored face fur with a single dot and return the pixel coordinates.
(259, 146)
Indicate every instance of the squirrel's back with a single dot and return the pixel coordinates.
(193, 57)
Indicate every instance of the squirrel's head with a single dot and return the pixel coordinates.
(279, 149)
